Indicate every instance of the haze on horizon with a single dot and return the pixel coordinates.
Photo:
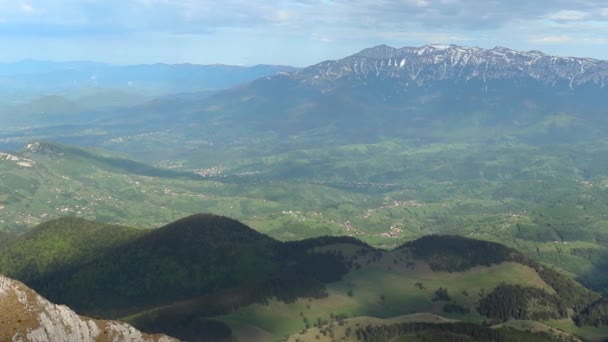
(292, 32)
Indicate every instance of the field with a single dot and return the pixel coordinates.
(344, 330)
(588, 333)
(384, 290)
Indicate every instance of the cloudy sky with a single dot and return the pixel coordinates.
(295, 32)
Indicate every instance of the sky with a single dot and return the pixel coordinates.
(289, 32)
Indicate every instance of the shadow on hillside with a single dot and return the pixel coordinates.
(597, 278)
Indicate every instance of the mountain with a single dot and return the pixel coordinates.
(419, 66)
(26, 316)
(44, 76)
(39, 99)
(429, 93)
(334, 149)
(415, 93)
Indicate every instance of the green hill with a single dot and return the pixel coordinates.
(90, 159)
(208, 275)
(197, 255)
(59, 244)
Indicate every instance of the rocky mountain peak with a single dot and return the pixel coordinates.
(26, 316)
(41, 147)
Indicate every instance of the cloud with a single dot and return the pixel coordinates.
(205, 15)
(567, 15)
(597, 41)
(325, 40)
(347, 24)
(551, 39)
(27, 8)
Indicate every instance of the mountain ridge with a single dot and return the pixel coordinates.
(32, 76)
(420, 65)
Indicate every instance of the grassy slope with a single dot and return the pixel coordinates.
(590, 333)
(384, 285)
(534, 327)
(397, 286)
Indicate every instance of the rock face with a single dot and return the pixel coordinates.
(39, 147)
(432, 63)
(23, 162)
(26, 316)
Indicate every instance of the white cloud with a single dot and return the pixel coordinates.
(347, 24)
(27, 8)
(598, 41)
(422, 3)
(563, 39)
(567, 15)
(283, 16)
(551, 39)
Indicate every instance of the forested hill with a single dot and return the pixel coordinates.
(58, 244)
(197, 255)
(215, 265)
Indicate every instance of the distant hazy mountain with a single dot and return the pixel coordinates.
(384, 91)
(413, 93)
(27, 316)
(43, 76)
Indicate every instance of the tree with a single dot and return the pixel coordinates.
(441, 294)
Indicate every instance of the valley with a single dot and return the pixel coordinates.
(411, 194)
(539, 200)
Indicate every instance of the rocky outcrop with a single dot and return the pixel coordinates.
(27, 316)
(23, 162)
(39, 147)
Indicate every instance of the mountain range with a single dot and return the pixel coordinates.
(399, 92)
(380, 92)
(416, 66)
(31, 76)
